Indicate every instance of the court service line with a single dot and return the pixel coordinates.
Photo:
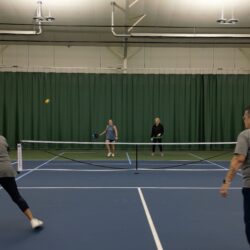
(150, 221)
(39, 166)
(125, 188)
(216, 164)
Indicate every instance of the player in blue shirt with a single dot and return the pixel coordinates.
(111, 134)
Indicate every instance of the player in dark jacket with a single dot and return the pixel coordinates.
(156, 135)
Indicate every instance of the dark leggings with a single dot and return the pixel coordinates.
(155, 140)
(246, 202)
(9, 185)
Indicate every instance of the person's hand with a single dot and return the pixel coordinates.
(224, 190)
(116, 138)
(151, 139)
(159, 135)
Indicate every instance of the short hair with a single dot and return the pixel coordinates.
(247, 109)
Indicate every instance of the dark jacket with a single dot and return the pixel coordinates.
(157, 130)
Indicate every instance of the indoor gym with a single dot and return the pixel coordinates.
(67, 67)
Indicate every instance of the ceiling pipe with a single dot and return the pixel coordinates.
(188, 35)
(23, 32)
(39, 20)
(169, 35)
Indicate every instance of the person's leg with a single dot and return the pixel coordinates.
(9, 185)
(113, 149)
(160, 146)
(153, 147)
(246, 202)
(108, 148)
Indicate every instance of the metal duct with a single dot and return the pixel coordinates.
(22, 32)
(38, 18)
(169, 35)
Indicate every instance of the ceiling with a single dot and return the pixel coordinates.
(88, 21)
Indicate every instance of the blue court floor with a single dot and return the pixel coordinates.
(95, 209)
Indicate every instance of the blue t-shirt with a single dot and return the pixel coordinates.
(110, 133)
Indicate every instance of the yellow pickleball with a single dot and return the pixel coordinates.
(47, 101)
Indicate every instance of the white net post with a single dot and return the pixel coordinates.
(19, 157)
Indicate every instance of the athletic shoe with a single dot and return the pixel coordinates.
(35, 223)
(113, 155)
(162, 154)
(109, 154)
(153, 154)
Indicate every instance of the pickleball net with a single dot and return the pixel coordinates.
(93, 156)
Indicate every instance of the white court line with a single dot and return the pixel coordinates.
(39, 166)
(216, 164)
(128, 157)
(150, 221)
(129, 169)
(103, 188)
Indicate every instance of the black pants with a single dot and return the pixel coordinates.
(155, 140)
(9, 185)
(246, 202)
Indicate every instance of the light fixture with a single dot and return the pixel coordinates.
(232, 21)
(49, 18)
(39, 20)
(39, 17)
(223, 20)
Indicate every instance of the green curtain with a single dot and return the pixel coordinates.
(193, 108)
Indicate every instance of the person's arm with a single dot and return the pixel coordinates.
(116, 132)
(152, 132)
(162, 130)
(102, 133)
(236, 163)
(6, 144)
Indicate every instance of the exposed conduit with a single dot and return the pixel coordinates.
(169, 35)
(23, 32)
(39, 20)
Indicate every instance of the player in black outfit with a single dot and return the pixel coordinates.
(156, 135)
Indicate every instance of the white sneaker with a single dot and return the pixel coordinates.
(109, 154)
(113, 155)
(35, 223)
(153, 154)
(162, 154)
